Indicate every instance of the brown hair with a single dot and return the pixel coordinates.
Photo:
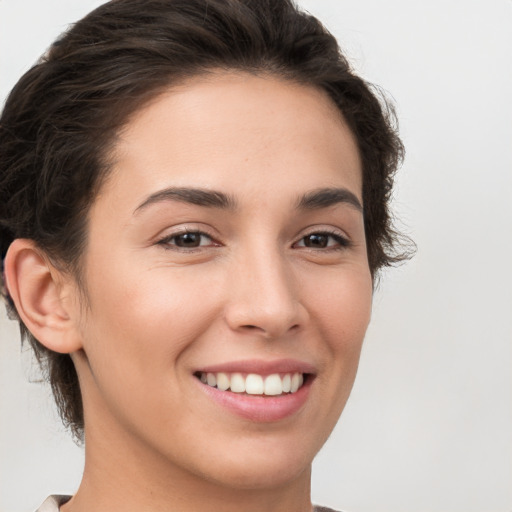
(62, 117)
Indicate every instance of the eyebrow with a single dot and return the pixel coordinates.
(325, 197)
(197, 196)
(314, 200)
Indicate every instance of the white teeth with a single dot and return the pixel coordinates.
(295, 383)
(273, 385)
(254, 384)
(222, 381)
(287, 383)
(211, 379)
(237, 383)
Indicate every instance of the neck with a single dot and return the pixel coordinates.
(122, 475)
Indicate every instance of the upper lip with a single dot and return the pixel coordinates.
(260, 367)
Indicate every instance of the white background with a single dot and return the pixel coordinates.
(429, 424)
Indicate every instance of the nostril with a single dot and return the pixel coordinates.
(250, 327)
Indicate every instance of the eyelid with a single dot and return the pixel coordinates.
(165, 240)
(343, 241)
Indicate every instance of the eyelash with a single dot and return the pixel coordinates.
(341, 241)
(166, 242)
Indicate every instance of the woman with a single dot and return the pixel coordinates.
(194, 208)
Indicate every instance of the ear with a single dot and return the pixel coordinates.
(44, 297)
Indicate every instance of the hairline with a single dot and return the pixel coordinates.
(108, 157)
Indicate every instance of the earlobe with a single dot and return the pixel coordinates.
(38, 291)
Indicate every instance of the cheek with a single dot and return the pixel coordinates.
(340, 309)
(341, 305)
(139, 328)
(155, 313)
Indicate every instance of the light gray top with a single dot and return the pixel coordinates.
(52, 504)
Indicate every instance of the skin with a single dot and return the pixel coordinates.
(252, 289)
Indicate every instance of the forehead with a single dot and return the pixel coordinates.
(238, 132)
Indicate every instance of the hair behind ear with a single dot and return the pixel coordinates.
(41, 296)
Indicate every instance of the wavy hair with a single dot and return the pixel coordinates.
(61, 120)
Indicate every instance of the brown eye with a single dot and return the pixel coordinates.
(316, 241)
(323, 241)
(187, 240)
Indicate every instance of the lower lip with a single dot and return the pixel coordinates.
(259, 408)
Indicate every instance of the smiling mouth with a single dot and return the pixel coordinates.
(275, 384)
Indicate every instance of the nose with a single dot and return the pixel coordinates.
(264, 297)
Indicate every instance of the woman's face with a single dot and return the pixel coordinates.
(228, 244)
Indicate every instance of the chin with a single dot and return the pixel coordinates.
(270, 475)
(264, 467)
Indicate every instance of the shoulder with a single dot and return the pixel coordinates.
(52, 503)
